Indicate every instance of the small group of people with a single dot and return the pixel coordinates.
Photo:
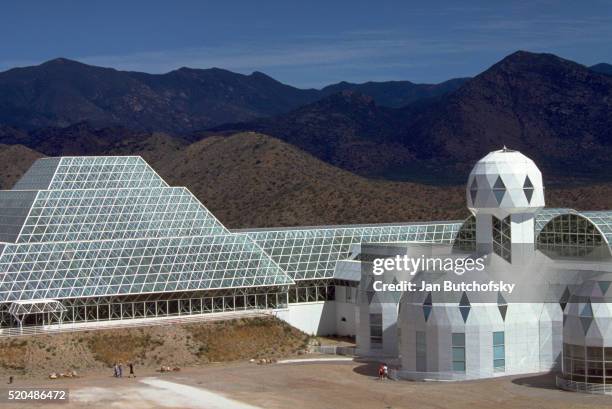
(383, 371)
(118, 370)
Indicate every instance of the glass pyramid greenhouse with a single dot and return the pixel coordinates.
(97, 230)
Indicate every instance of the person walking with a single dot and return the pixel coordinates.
(381, 373)
(120, 370)
(115, 370)
(132, 374)
(385, 371)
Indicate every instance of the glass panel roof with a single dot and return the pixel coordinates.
(113, 267)
(107, 214)
(89, 172)
(312, 253)
(543, 216)
(99, 172)
(106, 226)
(603, 221)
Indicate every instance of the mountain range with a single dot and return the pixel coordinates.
(556, 111)
(62, 92)
(258, 151)
(396, 94)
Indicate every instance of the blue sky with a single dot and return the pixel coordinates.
(304, 43)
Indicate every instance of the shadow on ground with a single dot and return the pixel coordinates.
(543, 381)
(367, 368)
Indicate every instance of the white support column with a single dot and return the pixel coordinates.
(522, 230)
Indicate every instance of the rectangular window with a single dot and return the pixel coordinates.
(349, 294)
(458, 349)
(376, 330)
(499, 352)
(421, 351)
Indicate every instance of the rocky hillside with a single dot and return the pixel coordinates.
(253, 180)
(553, 110)
(602, 68)
(348, 130)
(395, 94)
(178, 345)
(14, 161)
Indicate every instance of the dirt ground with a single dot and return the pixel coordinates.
(321, 385)
(179, 345)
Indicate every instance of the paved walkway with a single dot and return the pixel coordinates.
(158, 393)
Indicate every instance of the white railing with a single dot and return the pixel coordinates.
(131, 323)
(334, 350)
(595, 388)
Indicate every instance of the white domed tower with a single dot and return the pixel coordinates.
(504, 192)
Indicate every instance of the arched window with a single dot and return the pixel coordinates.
(571, 235)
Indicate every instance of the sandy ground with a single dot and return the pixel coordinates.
(320, 385)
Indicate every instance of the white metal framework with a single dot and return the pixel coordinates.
(576, 234)
(307, 253)
(107, 231)
(52, 310)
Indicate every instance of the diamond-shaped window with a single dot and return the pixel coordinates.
(499, 189)
(474, 190)
(427, 306)
(564, 298)
(603, 286)
(502, 305)
(464, 306)
(528, 189)
(586, 316)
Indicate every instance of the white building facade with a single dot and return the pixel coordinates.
(549, 253)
